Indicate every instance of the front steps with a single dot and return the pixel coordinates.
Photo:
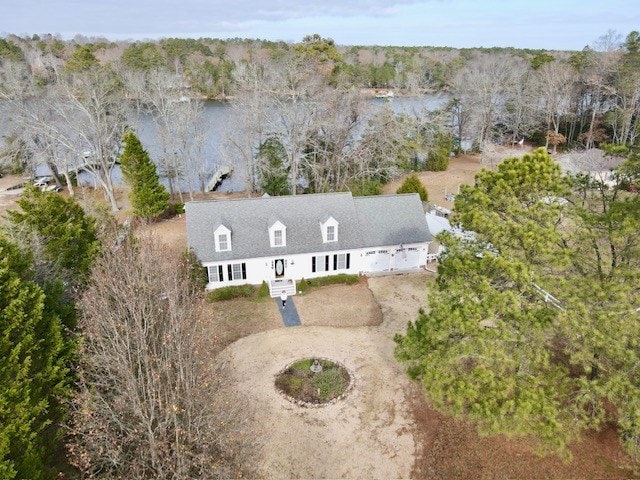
(276, 287)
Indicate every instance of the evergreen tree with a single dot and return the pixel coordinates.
(438, 156)
(412, 184)
(148, 197)
(365, 187)
(143, 56)
(58, 229)
(10, 51)
(81, 60)
(271, 166)
(34, 378)
(533, 329)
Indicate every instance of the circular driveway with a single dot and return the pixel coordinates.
(368, 434)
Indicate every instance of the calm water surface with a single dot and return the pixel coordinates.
(217, 114)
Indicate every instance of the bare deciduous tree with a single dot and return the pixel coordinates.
(555, 83)
(480, 87)
(77, 123)
(151, 402)
(293, 109)
(385, 148)
(332, 137)
(157, 93)
(519, 113)
(180, 124)
(190, 134)
(245, 130)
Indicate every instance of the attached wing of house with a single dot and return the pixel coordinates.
(281, 240)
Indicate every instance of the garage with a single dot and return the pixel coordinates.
(376, 261)
(406, 258)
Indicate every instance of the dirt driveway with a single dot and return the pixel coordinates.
(369, 434)
(384, 428)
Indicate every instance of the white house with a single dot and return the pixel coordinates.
(281, 240)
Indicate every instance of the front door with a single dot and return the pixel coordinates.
(279, 268)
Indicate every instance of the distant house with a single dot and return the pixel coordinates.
(281, 240)
(592, 162)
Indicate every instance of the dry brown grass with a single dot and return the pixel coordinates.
(339, 306)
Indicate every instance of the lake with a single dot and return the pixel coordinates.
(217, 113)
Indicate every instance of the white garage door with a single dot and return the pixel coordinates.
(377, 260)
(406, 258)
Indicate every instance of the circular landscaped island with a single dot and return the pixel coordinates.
(314, 381)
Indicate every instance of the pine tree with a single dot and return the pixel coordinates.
(82, 60)
(412, 184)
(271, 165)
(148, 197)
(534, 328)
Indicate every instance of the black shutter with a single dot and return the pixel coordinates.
(335, 261)
(348, 258)
(313, 264)
(230, 272)
(326, 263)
(244, 271)
(206, 271)
(220, 273)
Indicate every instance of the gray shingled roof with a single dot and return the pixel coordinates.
(362, 222)
(391, 220)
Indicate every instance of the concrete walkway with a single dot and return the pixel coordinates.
(289, 313)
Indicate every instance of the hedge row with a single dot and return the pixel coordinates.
(262, 291)
(246, 291)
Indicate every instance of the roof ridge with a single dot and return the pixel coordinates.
(385, 195)
(328, 194)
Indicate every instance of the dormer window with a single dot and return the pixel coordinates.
(223, 242)
(329, 230)
(222, 237)
(277, 238)
(331, 233)
(277, 234)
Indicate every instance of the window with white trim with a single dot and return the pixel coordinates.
(329, 230)
(320, 263)
(236, 270)
(223, 242)
(278, 234)
(222, 236)
(215, 273)
(277, 238)
(331, 233)
(341, 261)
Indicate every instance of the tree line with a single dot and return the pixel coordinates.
(106, 365)
(491, 346)
(298, 121)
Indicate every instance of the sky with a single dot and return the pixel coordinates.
(541, 24)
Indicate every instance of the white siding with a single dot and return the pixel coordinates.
(387, 258)
(296, 267)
